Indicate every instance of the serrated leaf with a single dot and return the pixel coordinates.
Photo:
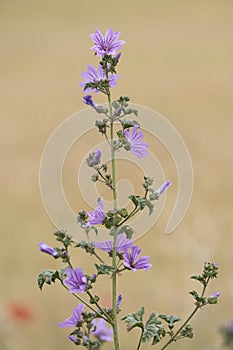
(170, 319)
(47, 276)
(103, 269)
(62, 273)
(134, 319)
(158, 337)
(131, 111)
(198, 278)
(150, 206)
(153, 329)
(127, 230)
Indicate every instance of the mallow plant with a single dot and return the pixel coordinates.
(91, 323)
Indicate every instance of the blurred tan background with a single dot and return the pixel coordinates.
(178, 60)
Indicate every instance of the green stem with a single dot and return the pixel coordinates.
(99, 258)
(99, 307)
(114, 256)
(106, 136)
(140, 340)
(88, 305)
(173, 338)
(131, 214)
(180, 329)
(105, 180)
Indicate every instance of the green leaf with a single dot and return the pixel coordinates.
(47, 276)
(135, 319)
(150, 206)
(131, 111)
(62, 273)
(153, 329)
(103, 269)
(198, 278)
(199, 300)
(170, 319)
(127, 230)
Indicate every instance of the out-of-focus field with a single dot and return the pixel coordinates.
(178, 60)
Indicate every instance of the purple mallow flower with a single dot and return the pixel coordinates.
(97, 156)
(162, 188)
(108, 44)
(93, 75)
(137, 147)
(118, 55)
(74, 319)
(122, 244)
(156, 194)
(216, 295)
(76, 281)
(118, 111)
(101, 331)
(88, 101)
(119, 300)
(45, 248)
(133, 263)
(73, 338)
(98, 215)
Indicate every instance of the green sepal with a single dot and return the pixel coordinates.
(103, 269)
(123, 101)
(102, 125)
(135, 319)
(123, 212)
(64, 237)
(212, 300)
(187, 331)
(153, 329)
(111, 221)
(128, 123)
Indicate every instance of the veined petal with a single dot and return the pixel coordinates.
(108, 44)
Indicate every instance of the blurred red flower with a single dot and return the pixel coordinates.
(20, 312)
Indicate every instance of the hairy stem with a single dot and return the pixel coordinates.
(88, 305)
(114, 257)
(173, 338)
(140, 340)
(131, 214)
(99, 307)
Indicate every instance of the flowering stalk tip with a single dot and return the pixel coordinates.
(108, 44)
